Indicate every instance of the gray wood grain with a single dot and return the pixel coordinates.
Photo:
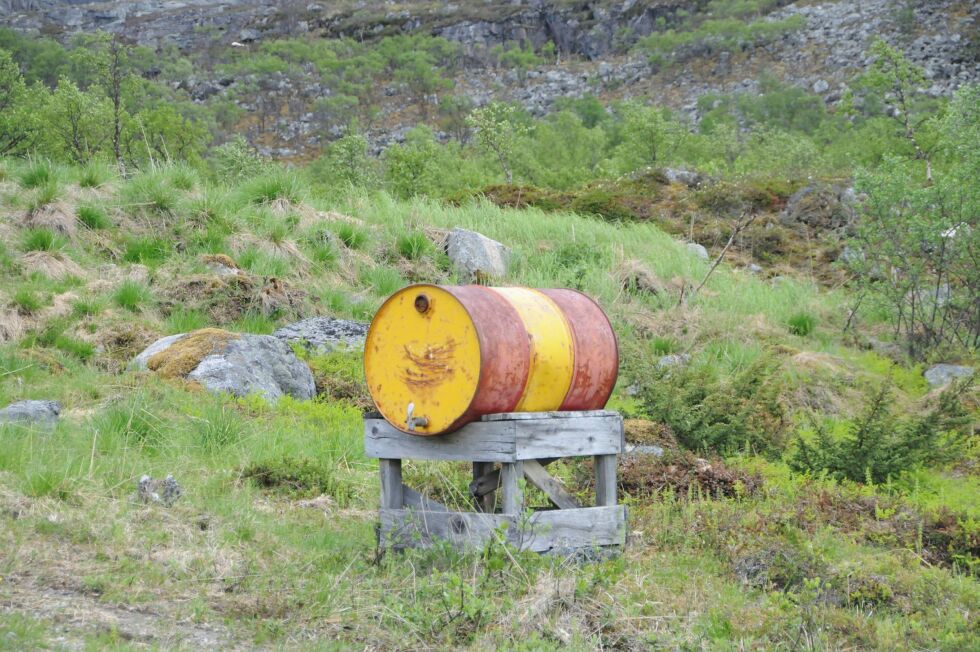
(548, 531)
(482, 495)
(511, 496)
(528, 438)
(556, 493)
(414, 500)
(522, 416)
(605, 480)
(392, 495)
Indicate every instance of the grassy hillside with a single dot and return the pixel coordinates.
(273, 542)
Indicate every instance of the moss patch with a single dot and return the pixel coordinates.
(182, 357)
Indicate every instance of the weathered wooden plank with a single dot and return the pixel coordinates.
(537, 476)
(483, 494)
(530, 437)
(605, 480)
(485, 484)
(481, 442)
(537, 438)
(511, 496)
(414, 500)
(392, 495)
(549, 531)
(522, 416)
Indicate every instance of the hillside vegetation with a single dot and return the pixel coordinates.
(814, 491)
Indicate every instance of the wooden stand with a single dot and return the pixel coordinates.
(523, 444)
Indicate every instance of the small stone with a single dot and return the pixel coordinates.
(164, 492)
(754, 269)
(42, 413)
(698, 250)
(820, 86)
(940, 375)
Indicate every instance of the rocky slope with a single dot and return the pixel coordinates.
(595, 47)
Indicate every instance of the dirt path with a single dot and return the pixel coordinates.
(72, 616)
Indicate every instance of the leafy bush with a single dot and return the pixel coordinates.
(715, 35)
(880, 445)
(802, 324)
(93, 217)
(132, 295)
(237, 160)
(711, 414)
(42, 239)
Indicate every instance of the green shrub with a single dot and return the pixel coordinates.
(94, 217)
(132, 295)
(42, 239)
(39, 173)
(295, 477)
(237, 160)
(712, 414)
(351, 235)
(880, 445)
(414, 245)
(27, 301)
(146, 250)
(802, 324)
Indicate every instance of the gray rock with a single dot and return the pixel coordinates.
(851, 256)
(324, 334)
(42, 413)
(820, 86)
(754, 269)
(673, 360)
(940, 375)
(643, 449)
(820, 207)
(251, 364)
(475, 256)
(165, 492)
(689, 178)
(698, 250)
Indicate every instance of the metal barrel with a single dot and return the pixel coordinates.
(439, 357)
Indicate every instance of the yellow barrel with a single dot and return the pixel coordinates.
(438, 357)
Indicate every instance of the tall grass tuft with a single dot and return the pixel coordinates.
(132, 295)
(280, 185)
(351, 235)
(37, 174)
(94, 217)
(414, 245)
(802, 324)
(42, 239)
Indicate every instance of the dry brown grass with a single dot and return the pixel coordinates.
(53, 265)
(59, 216)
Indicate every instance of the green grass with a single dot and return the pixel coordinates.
(148, 250)
(43, 195)
(281, 185)
(27, 300)
(183, 320)
(94, 175)
(414, 245)
(41, 239)
(132, 296)
(352, 236)
(253, 322)
(802, 324)
(383, 281)
(37, 174)
(94, 217)
(150, 192)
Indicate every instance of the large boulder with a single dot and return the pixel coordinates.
(698, 250)
(940, 375)
(475, 256)
(821, 207)
(239, 364)
(324, 334)
(29, 413)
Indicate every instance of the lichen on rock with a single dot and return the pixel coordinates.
(184, 355)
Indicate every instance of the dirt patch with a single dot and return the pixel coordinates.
(12, 326)
(642, 431)
(684, 474)
(75, 616)
(183, 356)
